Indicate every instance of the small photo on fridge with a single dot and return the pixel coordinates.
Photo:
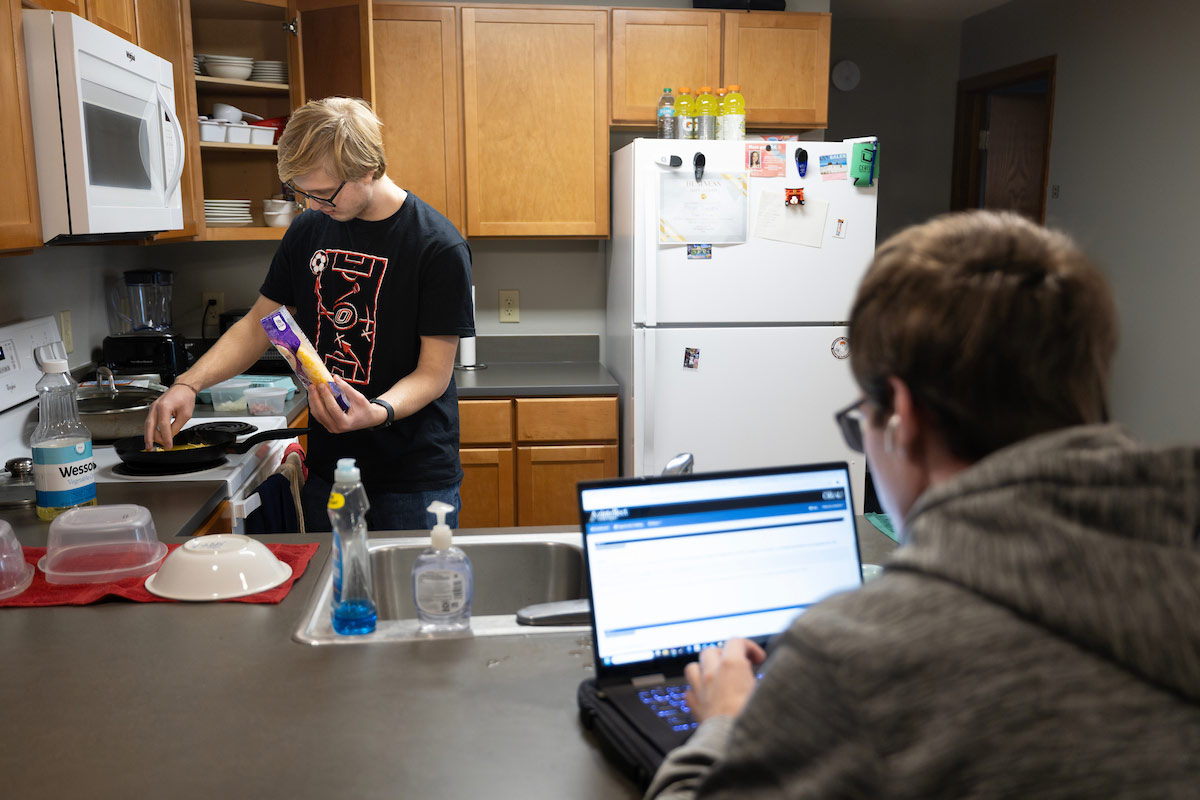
(691, 358)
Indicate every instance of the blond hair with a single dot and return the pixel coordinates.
(339, 134)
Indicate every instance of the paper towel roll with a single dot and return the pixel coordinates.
(466, 351)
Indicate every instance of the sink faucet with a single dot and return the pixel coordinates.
(679, 465)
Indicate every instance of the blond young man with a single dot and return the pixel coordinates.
(1037, 634)
(381, 284)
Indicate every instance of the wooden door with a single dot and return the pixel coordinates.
(117, 16)
(20, 218)
(487, 489)
(546, 479)
(1015, 159)
(332, 51)
(535, 114)
(164, 28)
(653, 49)
(781, 62)
(417, 97)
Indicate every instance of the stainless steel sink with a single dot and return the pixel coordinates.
(511, 571)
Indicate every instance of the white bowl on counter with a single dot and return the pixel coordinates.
(218, 567)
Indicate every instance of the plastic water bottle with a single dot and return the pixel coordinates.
(666, 115)
(352, 605)
(733, 126)
(706, 114)
(64, 472)
(720, 112)
(685, 114)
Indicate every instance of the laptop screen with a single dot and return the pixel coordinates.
(681, 563)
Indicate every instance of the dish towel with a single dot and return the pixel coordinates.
(280, 510)
(884, 523)
(41, 593)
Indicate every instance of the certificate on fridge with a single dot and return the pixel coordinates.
(712, 210)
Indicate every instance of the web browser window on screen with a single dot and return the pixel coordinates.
(679, 566)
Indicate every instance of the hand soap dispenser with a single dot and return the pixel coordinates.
(443, 583)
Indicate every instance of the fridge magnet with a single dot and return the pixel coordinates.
(700, 251)
(793, 197)
(801, 162)
(691, 358)
(840, 348)
(863, 164)
(765, 159)
(839, 229)
(833, 167)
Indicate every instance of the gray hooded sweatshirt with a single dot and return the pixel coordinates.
(1038, 635)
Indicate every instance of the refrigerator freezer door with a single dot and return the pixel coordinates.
(742, 397)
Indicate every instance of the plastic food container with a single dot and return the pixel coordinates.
(218, 567)
(98, 544)
(237, 132)
(15, 573)
(212, 130)
(227, 397)
(260, 135)
(265, 401)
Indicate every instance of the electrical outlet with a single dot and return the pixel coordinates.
(510, 305)
(211, 313)
(64, 330)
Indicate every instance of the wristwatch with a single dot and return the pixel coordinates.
(391, 412)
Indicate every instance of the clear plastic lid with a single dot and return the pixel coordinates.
(97, 544)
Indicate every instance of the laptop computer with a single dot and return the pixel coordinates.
(683, 562)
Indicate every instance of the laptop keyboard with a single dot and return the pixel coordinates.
(669, 703)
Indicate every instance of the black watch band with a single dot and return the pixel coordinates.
(391, 412)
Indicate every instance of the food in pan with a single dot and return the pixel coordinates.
(158, 448)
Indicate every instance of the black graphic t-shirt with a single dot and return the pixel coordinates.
(364, 293)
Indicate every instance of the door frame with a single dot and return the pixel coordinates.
(970, 116)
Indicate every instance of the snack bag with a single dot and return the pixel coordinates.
(294, 346)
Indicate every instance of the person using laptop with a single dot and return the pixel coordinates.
(1037, 634)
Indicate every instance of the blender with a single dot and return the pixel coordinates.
(142, 341)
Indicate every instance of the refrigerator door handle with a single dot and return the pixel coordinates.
(649, 349)
(649, 240)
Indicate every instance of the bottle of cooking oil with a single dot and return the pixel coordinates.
(706, 114)
(64, 472)
(685, 114)
(733, 126)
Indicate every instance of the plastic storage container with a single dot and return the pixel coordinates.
(101, 544)
(228, 397)
(15, 573)
(265, 401)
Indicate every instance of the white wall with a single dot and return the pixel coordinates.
(1124, 155)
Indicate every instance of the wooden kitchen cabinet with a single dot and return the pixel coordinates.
(488, 489)
(20, 217)
(546, 478)
(656, 48)
(417, 90)
(781, 62)
(118, 16)
(535, 116)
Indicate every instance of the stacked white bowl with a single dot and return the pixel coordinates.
(278, 213)
(220, 66)
(270, 71)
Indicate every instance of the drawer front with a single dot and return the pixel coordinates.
(567, 419)
(484, 422)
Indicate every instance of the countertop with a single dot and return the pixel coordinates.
(535, 379)
(203, 700)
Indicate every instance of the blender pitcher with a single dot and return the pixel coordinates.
(142, 303)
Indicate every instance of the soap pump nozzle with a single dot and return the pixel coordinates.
(441, 534)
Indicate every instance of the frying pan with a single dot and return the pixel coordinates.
(214, 445)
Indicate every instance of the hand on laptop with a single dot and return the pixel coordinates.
(723, 679)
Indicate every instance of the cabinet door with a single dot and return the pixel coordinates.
(781, 62)
(71, 6)
(535, 113)
(114, 15)
(164, 28)
(487, 488)
(416, 96)
(653, 49)
(546, 478)
(332, 54)
(20, 220)
(485, 422)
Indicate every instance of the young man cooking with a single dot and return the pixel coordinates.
(381, 284)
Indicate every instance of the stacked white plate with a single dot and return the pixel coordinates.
(220, 66)
(220, 213)
(196, 65)
(270, 71)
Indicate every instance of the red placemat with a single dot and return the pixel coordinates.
(41, 593)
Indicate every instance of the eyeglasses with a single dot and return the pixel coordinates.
(326, 201)
(849, 420)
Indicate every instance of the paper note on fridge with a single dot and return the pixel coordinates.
(795, 224)
(712, 209)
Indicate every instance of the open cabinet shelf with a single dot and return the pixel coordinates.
(207, 83)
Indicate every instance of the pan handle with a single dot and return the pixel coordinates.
(265, 436)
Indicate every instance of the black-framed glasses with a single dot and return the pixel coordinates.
(849, 420)
(324, 200)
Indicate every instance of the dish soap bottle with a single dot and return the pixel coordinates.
(64, 472)
(443, 583)
(352, 606)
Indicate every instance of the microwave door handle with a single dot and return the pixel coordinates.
(166, 105)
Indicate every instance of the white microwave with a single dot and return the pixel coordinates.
(107, 141)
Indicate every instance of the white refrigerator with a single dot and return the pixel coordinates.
(736, 351)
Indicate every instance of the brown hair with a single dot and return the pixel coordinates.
(340, 134)
(1000, 328)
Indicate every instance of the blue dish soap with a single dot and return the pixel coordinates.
(352, 606)
(443, 583)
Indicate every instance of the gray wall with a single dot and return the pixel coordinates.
(1123, 153)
